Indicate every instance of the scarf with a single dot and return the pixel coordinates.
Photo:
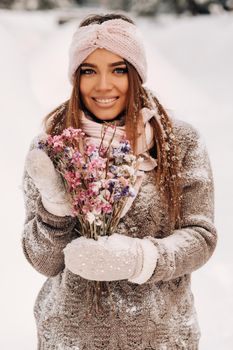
(93, 132)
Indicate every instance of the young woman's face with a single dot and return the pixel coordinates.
(104, 84)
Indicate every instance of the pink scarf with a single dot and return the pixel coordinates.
(93, 132)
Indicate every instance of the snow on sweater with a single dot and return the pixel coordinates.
(159, 314)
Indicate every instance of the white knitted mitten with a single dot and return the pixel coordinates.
(49, 182)
(111, 258)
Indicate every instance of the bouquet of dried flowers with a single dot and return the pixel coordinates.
(99, 180)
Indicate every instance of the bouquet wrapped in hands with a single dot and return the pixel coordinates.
(99, 179)
(95, 182)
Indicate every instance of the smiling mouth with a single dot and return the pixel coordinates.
(105, 101)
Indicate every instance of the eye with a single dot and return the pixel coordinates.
(87, 71)
(121, 70)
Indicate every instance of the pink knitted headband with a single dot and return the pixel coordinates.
(117, 36)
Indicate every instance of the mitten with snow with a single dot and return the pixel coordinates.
(110, 258)
(49, 182)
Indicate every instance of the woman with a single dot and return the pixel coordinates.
(166, 233)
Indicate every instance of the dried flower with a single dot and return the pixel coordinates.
(99, 179)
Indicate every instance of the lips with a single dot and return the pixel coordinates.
(105, 100)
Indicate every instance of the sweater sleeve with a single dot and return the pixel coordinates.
(190, 247)
(44, 235)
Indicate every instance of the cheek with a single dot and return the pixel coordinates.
(82, 89)
(125, 86)
(85, 88)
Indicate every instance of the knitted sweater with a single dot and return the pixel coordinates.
(159, 314)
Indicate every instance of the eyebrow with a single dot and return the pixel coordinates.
(114, 64)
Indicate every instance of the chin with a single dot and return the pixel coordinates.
(106, 115)
(106, 118)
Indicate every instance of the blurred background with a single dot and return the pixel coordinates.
(140, 7)
(189, 46)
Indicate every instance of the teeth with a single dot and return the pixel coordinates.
(106, 100)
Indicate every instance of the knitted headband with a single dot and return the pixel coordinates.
(117, 36)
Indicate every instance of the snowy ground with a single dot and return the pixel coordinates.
(190, 69)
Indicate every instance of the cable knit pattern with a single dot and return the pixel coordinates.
(158, 314)
(115, 35)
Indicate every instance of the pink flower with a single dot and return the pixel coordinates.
(94, 187)
(107, 208)
(49, 140)
(85, 209)
(77, 158)
(90, 149)
(72, 178)
(71, 133)
(110, 175)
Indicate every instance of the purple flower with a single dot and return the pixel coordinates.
(125, 147)
(117, 196)
(111, 185)
(41, 145)
(125, 191)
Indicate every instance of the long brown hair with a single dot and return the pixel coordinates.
(166, 150)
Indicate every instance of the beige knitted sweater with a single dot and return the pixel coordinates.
(158, 314)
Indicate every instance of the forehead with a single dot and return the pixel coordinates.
(102, 56)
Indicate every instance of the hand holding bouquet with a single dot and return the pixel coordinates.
(98, 178)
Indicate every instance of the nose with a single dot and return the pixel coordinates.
(104, 82)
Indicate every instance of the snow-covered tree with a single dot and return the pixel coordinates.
(194, 7)
(34, 4)
(119, 5)
(145, 7)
